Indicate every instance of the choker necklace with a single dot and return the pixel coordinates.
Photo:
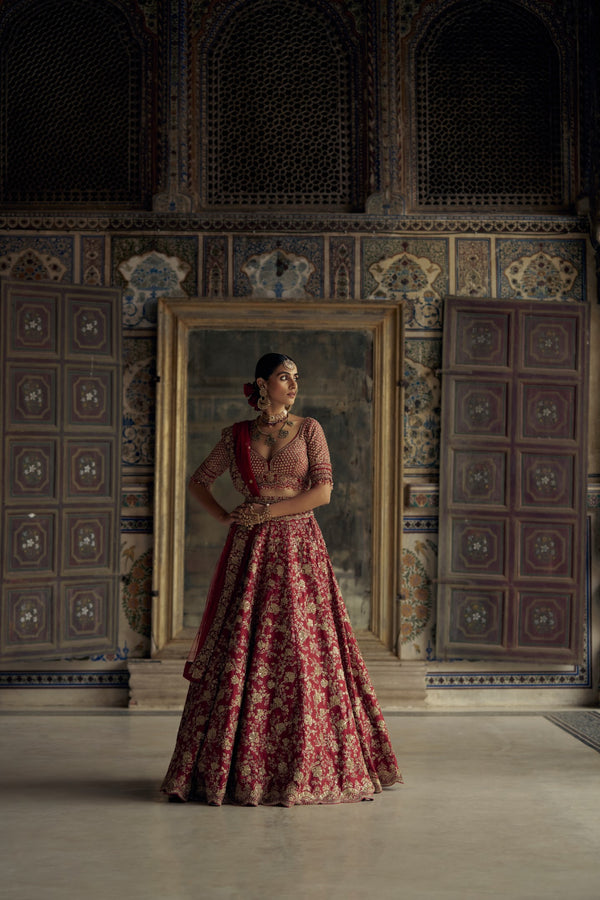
(269, 439)
(273, 420)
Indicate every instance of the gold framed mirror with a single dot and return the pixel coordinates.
(350, 360)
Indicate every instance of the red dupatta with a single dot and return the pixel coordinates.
(242, 437)
(241, 443)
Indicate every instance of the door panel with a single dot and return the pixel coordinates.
(60, 487)
(512, 482)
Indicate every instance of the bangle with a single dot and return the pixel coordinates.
(249, 518)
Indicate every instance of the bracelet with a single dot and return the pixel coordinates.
(250, 518)
(265, 514)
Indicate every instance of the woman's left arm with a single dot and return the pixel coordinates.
(250, 513)
(318, 495)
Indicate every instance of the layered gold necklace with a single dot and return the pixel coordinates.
(270, 439)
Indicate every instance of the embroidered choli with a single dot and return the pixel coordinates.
(298, 465)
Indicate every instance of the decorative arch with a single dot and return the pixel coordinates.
(76, 104)
(277, 114)
(489, 107)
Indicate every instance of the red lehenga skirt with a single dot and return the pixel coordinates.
(280, 709)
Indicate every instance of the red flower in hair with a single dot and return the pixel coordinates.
(252, 392)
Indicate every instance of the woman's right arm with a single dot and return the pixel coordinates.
(205, 498)
(216, 463)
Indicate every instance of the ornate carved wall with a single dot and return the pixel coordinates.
(384, 226)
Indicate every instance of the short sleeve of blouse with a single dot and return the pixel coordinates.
(217, 461)
(319, 463)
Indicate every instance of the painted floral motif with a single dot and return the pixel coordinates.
(473, 267)
(475, 617)
(87, 469)
(32, 470)
(31, 543)
(544, 548)
(139, 407)
(421, 411)
(545, 480)
(479, 409)
(481, 337)
(89, 326)
(33, 396)
(33, 325)
(86, 541)
(544, 619)
(150, 276)
(137, 592)
(479, 477)
(84, 610)
(409, 278)
(215, 267)
(92, 259)
(423, 497)
(341, 287)
(416, 605)
(477, 546)
(541, 277)
(548, 344)
(546, 412)
(279, 275)
(28, 616)
(89, 396)
(32, 265)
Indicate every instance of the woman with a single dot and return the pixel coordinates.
(280, 709)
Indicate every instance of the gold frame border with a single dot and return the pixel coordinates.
(176, 318)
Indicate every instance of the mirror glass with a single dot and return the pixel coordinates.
(336, 388)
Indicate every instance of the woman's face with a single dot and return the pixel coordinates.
(282, 384)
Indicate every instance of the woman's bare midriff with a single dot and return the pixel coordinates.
(279, 493)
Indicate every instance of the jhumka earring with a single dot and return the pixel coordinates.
(263, 400)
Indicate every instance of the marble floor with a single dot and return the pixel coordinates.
(495, 806)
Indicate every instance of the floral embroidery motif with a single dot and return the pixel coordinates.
(298, 465)
(280, 709)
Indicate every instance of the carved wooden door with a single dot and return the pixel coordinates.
(60, 488)
(512, 484)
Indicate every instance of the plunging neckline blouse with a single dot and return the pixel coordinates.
(280, 449)
(305, 463)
